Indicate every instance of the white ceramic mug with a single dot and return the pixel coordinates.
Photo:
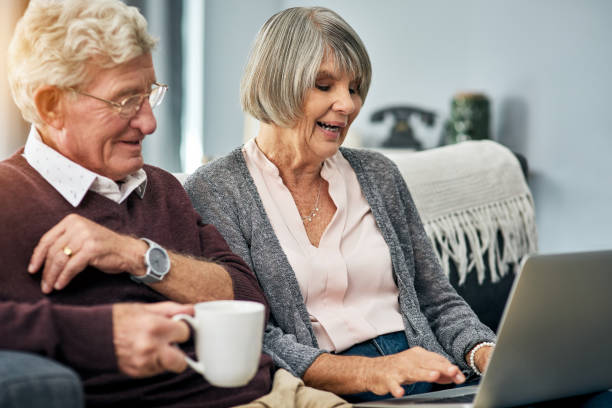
(228, 337)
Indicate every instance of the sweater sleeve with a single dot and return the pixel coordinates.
(78, 336)
(215, 248)
(453, 322)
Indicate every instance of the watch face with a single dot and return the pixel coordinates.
(158, 260)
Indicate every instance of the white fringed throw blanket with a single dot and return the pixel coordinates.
(466, 194)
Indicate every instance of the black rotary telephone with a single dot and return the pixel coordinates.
(401, 132)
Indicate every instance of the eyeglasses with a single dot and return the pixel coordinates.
(129, 106)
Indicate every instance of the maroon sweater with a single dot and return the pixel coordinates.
(74, 325)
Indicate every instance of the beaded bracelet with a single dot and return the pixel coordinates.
(473, 353)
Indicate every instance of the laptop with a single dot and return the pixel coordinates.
(554, 341)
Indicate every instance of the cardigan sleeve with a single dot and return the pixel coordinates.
(214, 196)
(453, 322)
(79, 336)
(287, 352)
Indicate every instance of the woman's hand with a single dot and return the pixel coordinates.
(381, 375)
(387, 374)
(481, 358)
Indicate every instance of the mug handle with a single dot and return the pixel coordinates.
(196, 365)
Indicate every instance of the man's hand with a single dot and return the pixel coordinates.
(144, 334)
(388, 374)
(76, 242)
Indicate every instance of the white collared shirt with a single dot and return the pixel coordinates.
(72, 180)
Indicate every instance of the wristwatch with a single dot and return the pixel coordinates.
(157, 261)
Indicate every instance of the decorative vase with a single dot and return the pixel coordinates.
(469, 118)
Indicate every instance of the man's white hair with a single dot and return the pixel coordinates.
(56, 39)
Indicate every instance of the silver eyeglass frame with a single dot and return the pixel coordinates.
(133, 102)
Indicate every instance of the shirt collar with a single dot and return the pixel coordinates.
(251, 149)
(72, 180)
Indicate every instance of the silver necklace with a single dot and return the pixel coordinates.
(315, 209)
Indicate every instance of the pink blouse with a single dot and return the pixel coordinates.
(347, 281)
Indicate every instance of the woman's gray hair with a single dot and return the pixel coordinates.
(286, 57)
(56, 39)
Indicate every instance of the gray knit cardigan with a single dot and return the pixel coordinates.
(435, 316)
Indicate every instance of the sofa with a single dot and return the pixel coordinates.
(31, 381)
(478, 212)
(476, 208)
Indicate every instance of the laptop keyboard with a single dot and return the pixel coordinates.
(460, 398)
(434, 400)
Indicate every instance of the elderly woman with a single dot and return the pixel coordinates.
(359, 303)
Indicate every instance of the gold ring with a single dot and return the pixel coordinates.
(68, 251)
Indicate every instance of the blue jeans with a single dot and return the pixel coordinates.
(28, 380)
(384, 345)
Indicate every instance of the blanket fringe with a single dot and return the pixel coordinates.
(474, 231)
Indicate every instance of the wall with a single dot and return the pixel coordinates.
(230, 28)
(545, 65)
(13, 129)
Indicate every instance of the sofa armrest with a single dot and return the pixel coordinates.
(29, 380)
(478, 212)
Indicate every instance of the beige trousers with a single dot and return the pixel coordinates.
(290, 392)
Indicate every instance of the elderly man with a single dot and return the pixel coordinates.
(87, 226)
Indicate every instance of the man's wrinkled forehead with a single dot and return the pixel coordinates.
(136, 75)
